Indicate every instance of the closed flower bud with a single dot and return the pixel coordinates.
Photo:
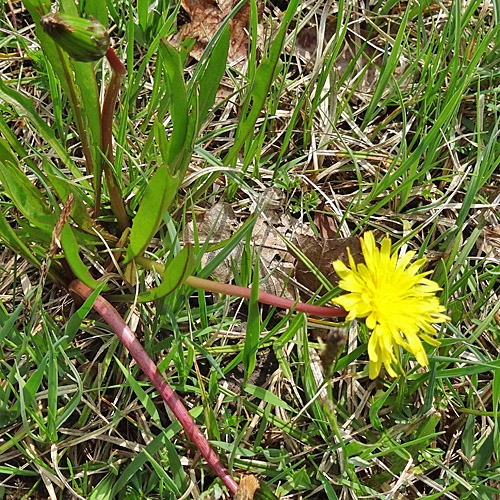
(84, 40)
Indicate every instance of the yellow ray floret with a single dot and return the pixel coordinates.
(398, 302)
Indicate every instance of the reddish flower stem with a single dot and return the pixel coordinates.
(114, 61)
(129, 340)
(107, 113)
(244, 293)
(264, 298)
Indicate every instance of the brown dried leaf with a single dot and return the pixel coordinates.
(334, 343)
(489, 242)
(247, 487)
(61, 221)
(322, 252)
(222, 222)
(326, 224)
(276, 263)
(367, 65)
(273, 253)
(207, 15)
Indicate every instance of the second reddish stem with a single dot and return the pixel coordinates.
(107, 113)
(147, 365)
(244, 293)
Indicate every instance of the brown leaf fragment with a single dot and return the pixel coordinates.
(307, 38)
(205, 18)
(273, 253)
(322, 252)
(247, 487)
(220, 223)
(365, 73)
(61, 220)
(489, 242)
(327, 225)
(334, 343)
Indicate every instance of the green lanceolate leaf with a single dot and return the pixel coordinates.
(175, 152)
(11, 239)
(209, 80)
(86, 81)
(6, 152)
(72, 254)
(97, 8)
(24, 107)
(174, 275)
(159, 195)
(179, 109)
(25, 196)
(77, 80)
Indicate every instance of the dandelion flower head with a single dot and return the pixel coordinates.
(399, 304)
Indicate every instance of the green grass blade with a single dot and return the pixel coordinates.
(169, 482)
(52, 386)
(75, 321)
(103, 490)
(24, 107)
(152, 48)
(267, 396)
(264, 77)
(141, 394)
(387, 70)
(132, 469)
(176, 466)
(496, 403)
(253, 328)
(229, 246)
(10, 322)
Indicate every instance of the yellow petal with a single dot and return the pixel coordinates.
(340, 268)
(430, 340)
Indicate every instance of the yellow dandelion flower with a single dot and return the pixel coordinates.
(399, 303)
